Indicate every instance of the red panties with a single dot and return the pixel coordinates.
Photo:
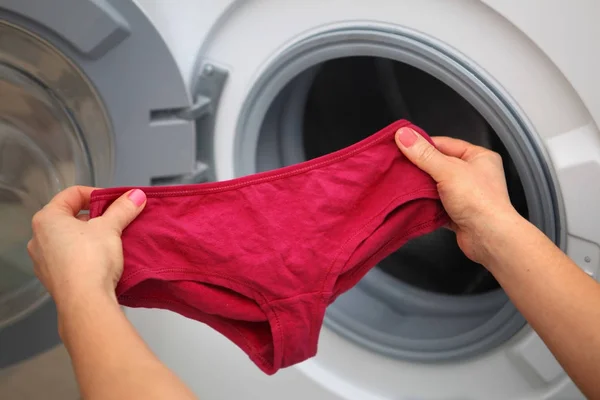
(259, 258)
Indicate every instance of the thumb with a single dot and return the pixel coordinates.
(422, 153)
(125, 209)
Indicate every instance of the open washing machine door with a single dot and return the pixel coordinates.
(309, 77)
(89, 95)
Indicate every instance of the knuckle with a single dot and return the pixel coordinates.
(30, 247)
(37, 220)
(127, 205)
(493, 155)
(497, 158)
(427, 153)
(123, 210)
(114, 221)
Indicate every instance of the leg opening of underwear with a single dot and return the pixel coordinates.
(235, 316)
(400, 224)
(297, 322)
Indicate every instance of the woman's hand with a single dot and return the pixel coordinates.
(471, 184)
(558, 299)
(80, 262)
(75, 256)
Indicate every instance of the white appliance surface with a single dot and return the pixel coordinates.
(506, 40)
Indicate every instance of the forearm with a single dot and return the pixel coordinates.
(110, 359)
(558, 299)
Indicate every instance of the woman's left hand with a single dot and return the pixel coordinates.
(75, 256)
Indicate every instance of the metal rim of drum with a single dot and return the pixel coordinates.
(496, 107)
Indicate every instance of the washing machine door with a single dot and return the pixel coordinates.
(89, 95)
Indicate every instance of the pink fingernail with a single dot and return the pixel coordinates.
(406, 136)
(137, 197)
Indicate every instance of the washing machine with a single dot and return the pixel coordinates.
(161, 92)
(292, 80)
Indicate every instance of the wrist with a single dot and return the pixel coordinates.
(65, 296)
(76, 307)
(497, 234)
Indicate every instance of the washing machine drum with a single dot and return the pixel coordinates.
(427, 301)
(71, 95)
(338, 114)
(45, 146)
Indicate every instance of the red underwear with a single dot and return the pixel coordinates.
(259, 258)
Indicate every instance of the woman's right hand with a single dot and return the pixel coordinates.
(558, 299)
(471, 184)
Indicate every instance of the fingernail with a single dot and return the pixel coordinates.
(137, 197)
(406, 136)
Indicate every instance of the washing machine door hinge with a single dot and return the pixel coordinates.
(206, 92)
(207, 88)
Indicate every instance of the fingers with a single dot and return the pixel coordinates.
(421, 153)
(124, 210)
(457, 148)
(451, 146)
(450, 225)
(71, 200)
